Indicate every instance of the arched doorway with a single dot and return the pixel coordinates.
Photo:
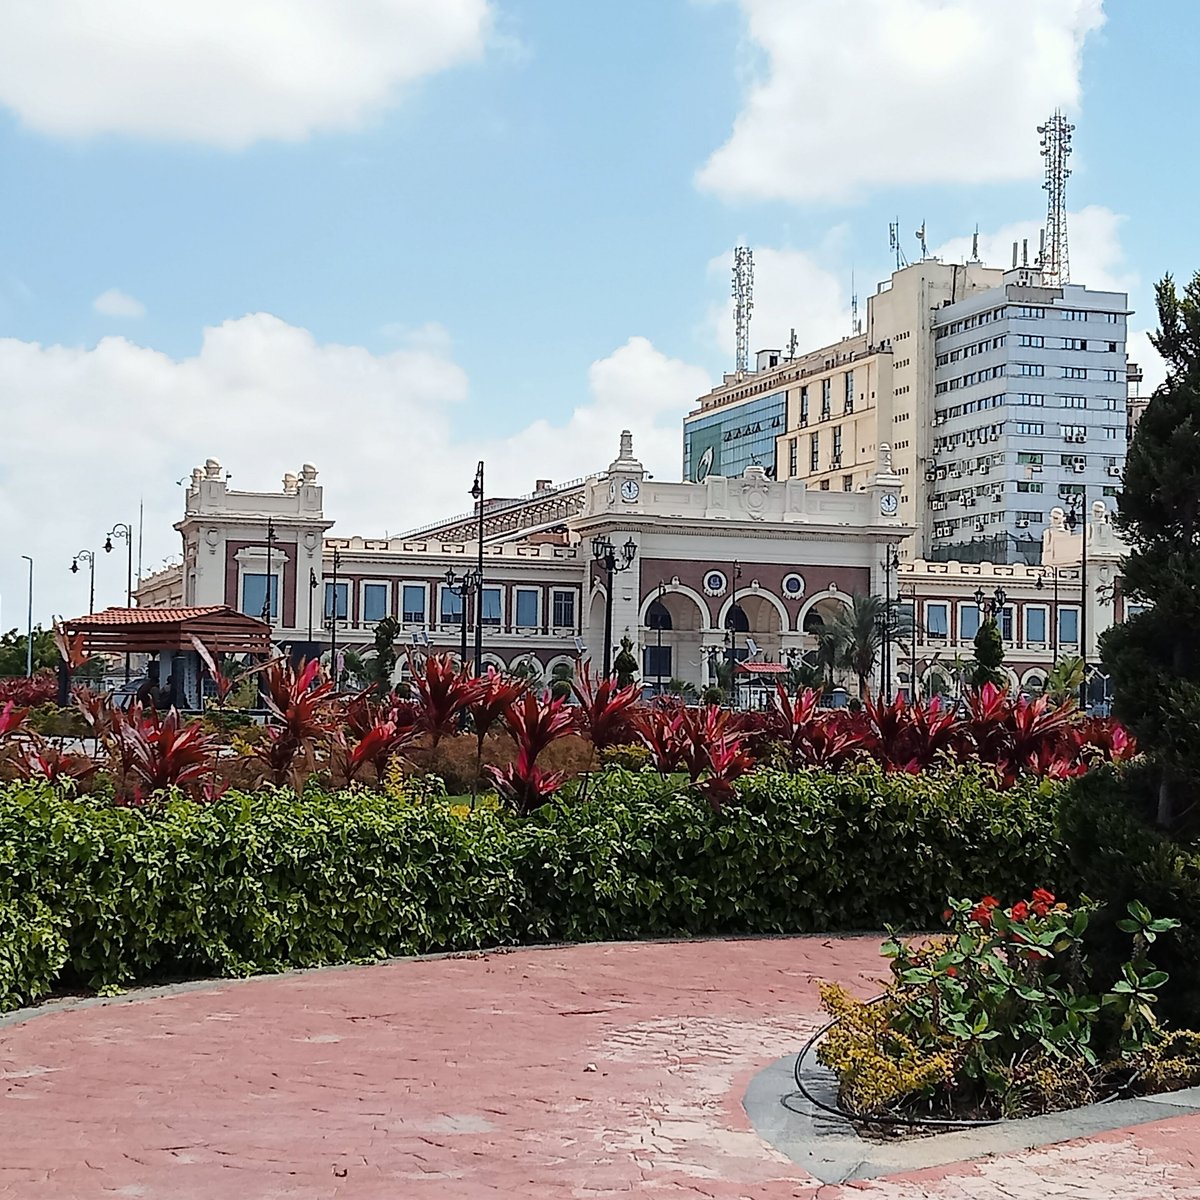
(673, 622)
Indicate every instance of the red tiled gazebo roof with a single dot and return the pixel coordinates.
(222, 630)
(763, 668)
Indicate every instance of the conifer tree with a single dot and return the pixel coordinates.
(1153, 658)
(989, 655)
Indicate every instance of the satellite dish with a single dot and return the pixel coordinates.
(752, 646)
(705, 465)
(579, 646)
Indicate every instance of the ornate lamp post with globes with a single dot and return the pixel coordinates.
(606, 554)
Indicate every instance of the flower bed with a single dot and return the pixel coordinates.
(1005, 1016)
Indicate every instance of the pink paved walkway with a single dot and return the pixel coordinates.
(472, 1078)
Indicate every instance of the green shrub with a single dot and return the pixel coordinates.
(1107, 828)
(260, 882)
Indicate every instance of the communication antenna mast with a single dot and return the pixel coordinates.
(855, 323)
(743, 303)
(792, 344)
(894, 243)
(1056, 149)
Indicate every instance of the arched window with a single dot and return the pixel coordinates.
(735, 619)
(658, 616)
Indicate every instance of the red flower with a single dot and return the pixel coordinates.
(947, 915)
(1042, 901)
(1020, 911)
(990, 902)
(982, 915)
(951, 971)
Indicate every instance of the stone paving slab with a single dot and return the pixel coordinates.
(585, 1072)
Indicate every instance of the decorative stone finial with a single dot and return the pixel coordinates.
(290, 484)
(308, 473)
(212, 468)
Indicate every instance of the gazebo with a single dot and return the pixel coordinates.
(171, 634)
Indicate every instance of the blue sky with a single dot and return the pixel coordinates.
(501, 228)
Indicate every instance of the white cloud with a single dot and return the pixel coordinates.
(888, 92)
(224, 72)
(115, 303)
(264, 397)
(792, 290)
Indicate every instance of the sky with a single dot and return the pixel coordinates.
(391, 238)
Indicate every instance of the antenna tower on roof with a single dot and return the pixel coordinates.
(743, 304)
(1056, 149)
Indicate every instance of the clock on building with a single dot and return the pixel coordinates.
(889, 504)
(630, 490)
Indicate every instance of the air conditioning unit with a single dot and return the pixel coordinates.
(970, 470)
(979, 527)
(997, 497)
(930, 476)
(1022, 524)
(970, 441)
(1114, 472)
(969, 502)
(984, 469)
(1079, 468)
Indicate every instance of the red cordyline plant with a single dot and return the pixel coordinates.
(605, 712)
(710, 748)
(495, 695)
(304, 706)
(909, 737)
(445, 693)
(379, 730)
(533, 723)
(660, 729)
(41, 688)
(812, 738)
(224, 683)
(12, 719)
(167, 752)
(41, 760)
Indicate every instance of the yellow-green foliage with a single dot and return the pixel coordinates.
(875, 1064)
(1172, 1063)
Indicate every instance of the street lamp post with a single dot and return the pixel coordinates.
(891, 562)
(735, 573)
(89, 557)
(991, 605)
(124, 531)
(29, 623)
(662, 591)
(332, 617)
(605, 553)
(268, 609)
(1053, 610)
(464, 587)
(312, 587)
(1079, 504)
(477, 496)
(914, 691)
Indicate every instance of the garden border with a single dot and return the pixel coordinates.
(831, 1149)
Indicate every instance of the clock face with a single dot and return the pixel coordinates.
(889, 504)
(630, 490)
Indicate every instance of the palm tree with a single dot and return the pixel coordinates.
(853, 639)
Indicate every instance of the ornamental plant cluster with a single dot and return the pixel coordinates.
(315, 732)
(95, 895)
(1007, 1016)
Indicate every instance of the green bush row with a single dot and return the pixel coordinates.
(100, 896)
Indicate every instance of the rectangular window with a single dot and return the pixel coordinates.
(1073, 314)
(824, 485)
(837, 443)
(1074, 433)
(1029, 459)
(1073, 401)
(937, 620)
(657, 664)
(1074, 344)
(847, 483)
(1030, 369)
(1006, 622)
(1074, 372)
(1112, 431)
(413, 604)
(254, 594)
(1031, 399)
(793, 457)
(374, 602)
(450, 608)
(1027, 311)
(491, 606)
(968, 622)
(814, 451)
(804, 405)
(1035, 625)
(526, 608)
(1031, 428)
(1068, 626)
(1111, 376)
(849, 405)
(826, 398)
(343, 601)
(564, 610)
(1031, 339)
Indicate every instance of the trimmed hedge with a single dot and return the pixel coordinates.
(96, 896)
